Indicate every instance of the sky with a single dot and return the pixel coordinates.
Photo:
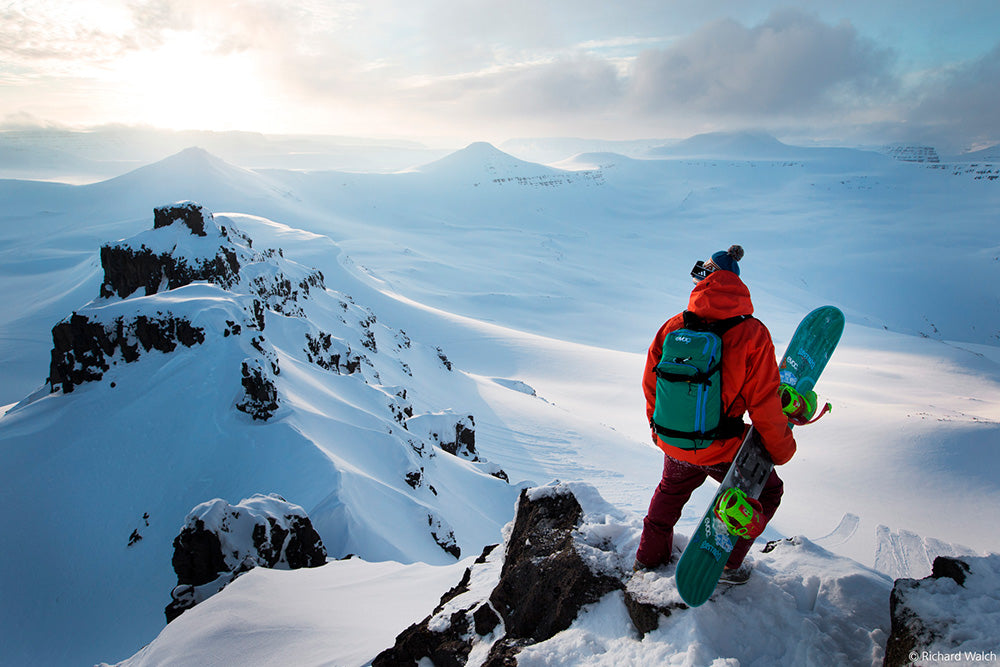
(852, 71)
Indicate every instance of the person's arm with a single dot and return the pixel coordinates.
(761, 394)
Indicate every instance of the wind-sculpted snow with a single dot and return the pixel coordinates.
(209, 367)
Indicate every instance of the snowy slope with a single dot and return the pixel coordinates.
(544, 297)
(806, 606)
(148, 438)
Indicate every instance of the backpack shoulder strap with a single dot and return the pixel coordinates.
(718, 327)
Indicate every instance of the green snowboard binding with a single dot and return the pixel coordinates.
(800, 408)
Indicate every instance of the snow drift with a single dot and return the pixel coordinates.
(211, 368)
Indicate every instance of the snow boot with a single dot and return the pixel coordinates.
(736, 576)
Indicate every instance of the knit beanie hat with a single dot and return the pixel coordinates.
(729, 259)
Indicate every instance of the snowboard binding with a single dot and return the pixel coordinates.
(800, 408)
(742, 515)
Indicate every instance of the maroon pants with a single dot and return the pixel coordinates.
(679, 481)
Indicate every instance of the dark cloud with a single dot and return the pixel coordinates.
(961, 102)
(792, 68)
(792, 63)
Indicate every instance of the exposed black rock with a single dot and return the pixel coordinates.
(646, 616)
(450, 648)
(485, 620)
(188, 213)
(331, 353)
(455, 435)
(464, 444)
(127, 268)
(913, 629)
(282, 295)
(444, 536)
(544, 581)
(81, 348)
(208, 554)
(261, 398)
(540, 589)
(198, 555)
(952, 568)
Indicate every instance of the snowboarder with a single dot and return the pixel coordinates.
(749, 384)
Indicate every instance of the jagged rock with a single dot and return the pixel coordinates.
(188, 213)
(947, 614)
(455, 435)
(281, 295)
(447, 643)
(81, 348)
(261, 395)
(544, 581)
(444, 536)
(331, 353)
(445, 649)
(220, 541)
(128, 268)
(485, 620)
(540, 587)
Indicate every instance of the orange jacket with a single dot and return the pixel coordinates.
(749, 372)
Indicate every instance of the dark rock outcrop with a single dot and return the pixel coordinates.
(544, 581)
(188, 213)
(208, 553)
(81, 348)
(444, 536)
(260, 400)
(448, 646)
(541, 587)
(453, 434)
(127, 268)
(932, 615)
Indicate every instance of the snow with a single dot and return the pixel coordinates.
(342, 613)
(542, 285)
(965, 621)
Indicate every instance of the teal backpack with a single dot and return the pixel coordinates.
(689, 413)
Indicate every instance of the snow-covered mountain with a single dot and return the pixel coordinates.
(541, 285)
(211, 367)
(74, 156)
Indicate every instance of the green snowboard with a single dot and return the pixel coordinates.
(708, 550)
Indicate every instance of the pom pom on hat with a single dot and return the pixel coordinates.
(728, 260)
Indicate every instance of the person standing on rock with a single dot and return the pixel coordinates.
(749, 372)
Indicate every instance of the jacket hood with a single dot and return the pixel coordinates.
(720, 296)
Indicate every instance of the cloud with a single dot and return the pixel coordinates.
(960, 102)
(571, 85)
(792, 68)
(791, 64)
(32, 34)
(560, 67)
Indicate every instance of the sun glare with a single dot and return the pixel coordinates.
(185, 84)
